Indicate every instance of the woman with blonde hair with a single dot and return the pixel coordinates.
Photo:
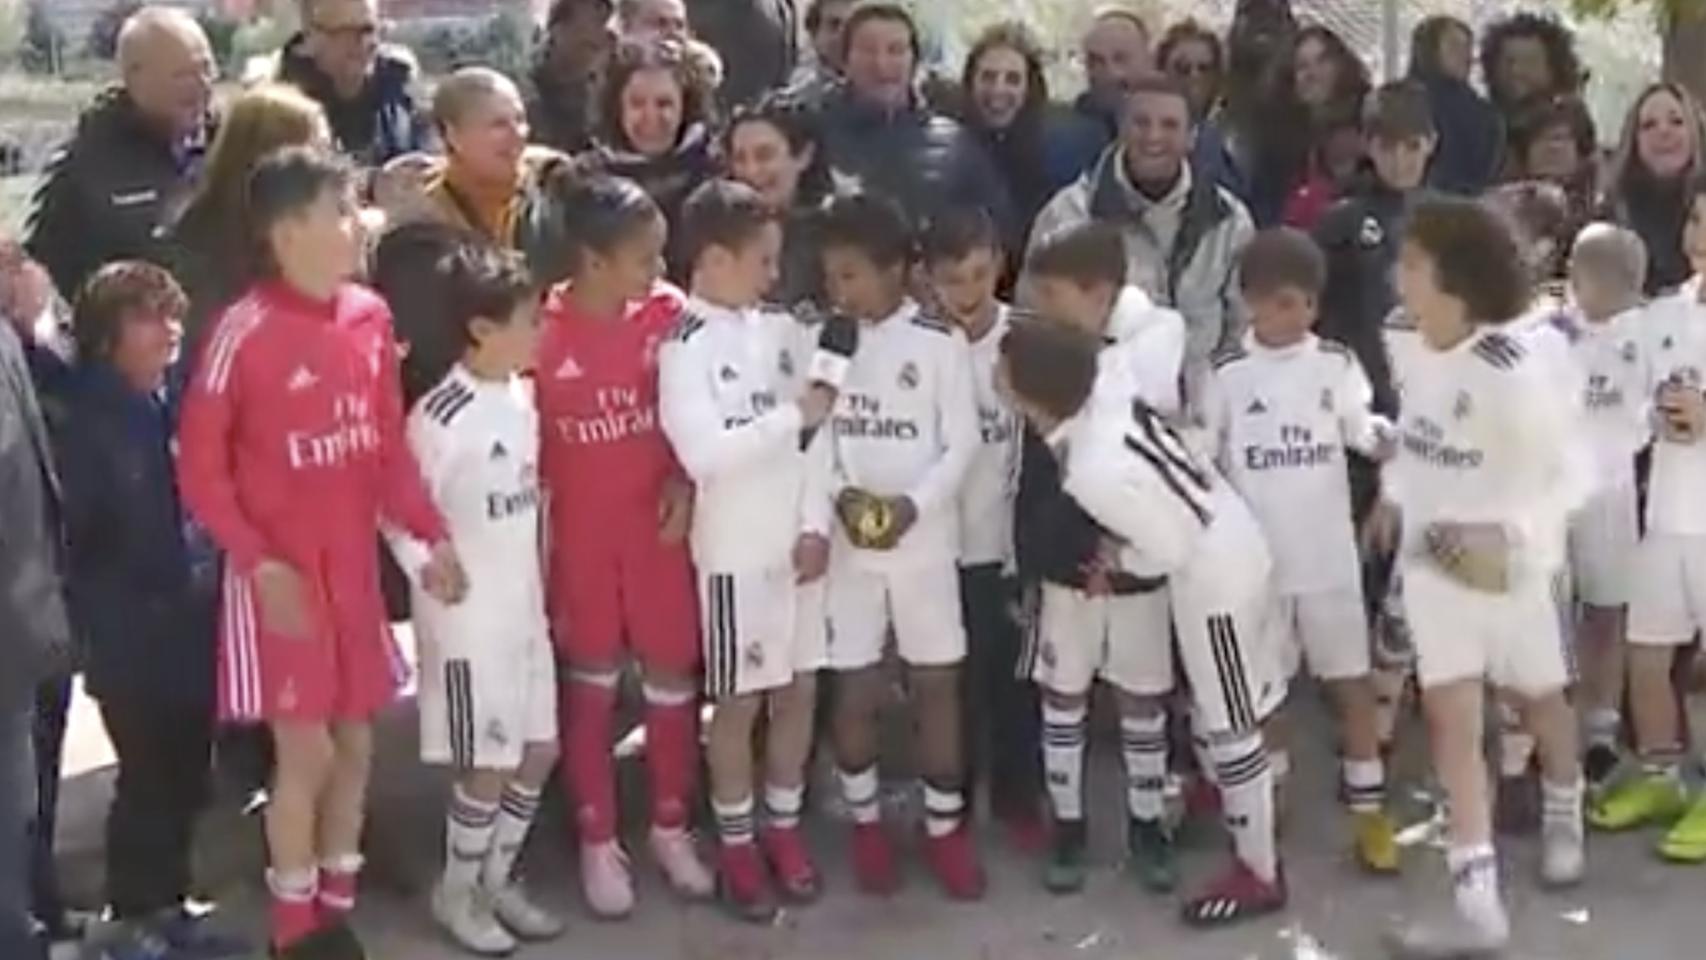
(1648, 185)
(213, 224)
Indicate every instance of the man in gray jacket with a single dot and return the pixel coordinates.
(1183, 234)
(34, 634)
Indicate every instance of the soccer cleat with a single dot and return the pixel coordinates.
(873, 860)
(1065, 870)
(1516, 806)
(677, 855)
(1151, 855)
(1563, 853)
(1376, 841)
(1650, 798)
(791, 863)
(522, 917)
(742, 887)
(1451, 936)
(606, 880)
(1600, 765)
(1686, 842)
(466, 916)
(952, 857)
(1238, 895)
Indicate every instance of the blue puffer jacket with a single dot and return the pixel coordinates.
(924, 161)
(141, 587)
(382, 121)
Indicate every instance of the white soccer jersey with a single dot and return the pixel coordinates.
(1484, 438)
(1177, 517)
(905, 424)
(1144, 355)
(992, 480)
(1617, 389)
(1279, 421)
(1675, 328)
(477, 442)
(729, 382)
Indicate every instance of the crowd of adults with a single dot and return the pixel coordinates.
(1185, 138)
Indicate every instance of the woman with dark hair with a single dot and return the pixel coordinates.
(1471, 135)
(655, 125)
(1193, 55)
(1316, 93)
(1647, 189)
(772, 146)
(1554, 141)
(1036, 149)
(1527, 57)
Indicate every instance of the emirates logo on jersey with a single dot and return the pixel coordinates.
(354, 435)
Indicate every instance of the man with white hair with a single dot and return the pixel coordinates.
(365, 87)
(112, 188)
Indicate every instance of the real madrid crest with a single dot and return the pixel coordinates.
(1327, 400)
(727, 374)
(1463, 407)
(754, 655)
(909, 376)
(785, 363)
(1372, 233)
(1629, 352)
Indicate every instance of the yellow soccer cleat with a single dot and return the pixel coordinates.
(1376, 841)
(1686, 842)
(1650, 798)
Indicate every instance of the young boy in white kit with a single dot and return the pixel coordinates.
(1280, 412)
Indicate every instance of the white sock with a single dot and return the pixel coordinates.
(1063, 759)
(734, 820)
(1561, 804)
(1603, 726)
(783, 805)
(943, 810)
(516, 810)
(1247, 800)
(1475, 887)
(468, 827)
(1143, 741)
(859, 790)
(1516, 745)
(1365, 784)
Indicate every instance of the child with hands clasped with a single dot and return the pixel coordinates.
(1281, 411)
(1483, 482)
(1667, 605)
(742, 397)
(488, 688)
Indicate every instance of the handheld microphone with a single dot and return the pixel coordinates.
(836, 344)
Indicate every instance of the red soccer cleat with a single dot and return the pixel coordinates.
(953, 859)
(741, 884)
(873, 860)
(791, 863)
(1237, 895)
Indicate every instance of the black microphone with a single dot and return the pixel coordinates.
(836, 344)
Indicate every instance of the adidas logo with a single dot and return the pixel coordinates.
(301, 380)
(499, 451)
(1257, 407)
(569, 370)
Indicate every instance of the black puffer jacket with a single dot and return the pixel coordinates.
(667, 179)
(111, 192)
(924, 161)
(757, 39)
(381, 122)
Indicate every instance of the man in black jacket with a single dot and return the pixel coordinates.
(114, 186)
(365, 88)
(880, 135)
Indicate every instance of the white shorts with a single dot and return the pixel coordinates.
(921, 604)
(1604, 537)
(1124, 640)
(482, 703)
(1667, 602)
(1230, 652)
(1327, 630)
(1513, 639)
(759, 629)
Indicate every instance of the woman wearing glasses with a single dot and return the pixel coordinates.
(1193, 55)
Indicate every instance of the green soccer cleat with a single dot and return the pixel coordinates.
(1686, 842)
(1065, 871)
(1651, 798)
(1151, 856)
